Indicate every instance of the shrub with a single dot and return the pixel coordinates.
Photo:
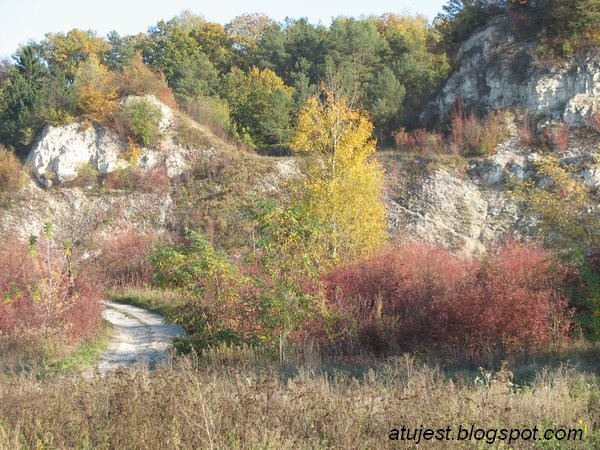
(138, 79)
(215, 311)
(12, 177)
(43, 298)
(191, 135)
(421, 296)
(212, 112)
(140, 118)
(124, 259)
(560, 137)
(526, 130)
(471, 136)
(135, 179)
(420, 140)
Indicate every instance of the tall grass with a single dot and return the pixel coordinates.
(195, 405)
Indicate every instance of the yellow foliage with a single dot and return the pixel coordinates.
(568, 214)
(95, 89)
(134, 151)
(343, 184)
(270, 79)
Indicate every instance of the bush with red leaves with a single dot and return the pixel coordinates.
(39, 296)
(421, 297)
(123, 260)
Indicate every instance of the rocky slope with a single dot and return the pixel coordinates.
(470, 206)
(496, 70)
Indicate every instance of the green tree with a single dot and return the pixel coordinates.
(214, 312)
(168, 46)
(260, 106)
(20, 99)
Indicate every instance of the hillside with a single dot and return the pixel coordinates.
(342, 225)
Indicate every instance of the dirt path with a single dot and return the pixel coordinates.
(139, 337)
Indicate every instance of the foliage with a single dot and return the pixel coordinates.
(136, 78)
(12, 177)
(342, 183)
(141, 120)
(471, 136)
(65, 52)
(215, 312)
(567, 219)
(43, 296)
(420, 296)
(260, 106)
(20, 99)
(96, 95)
(284, 266)
(212, 112)
(124, 259)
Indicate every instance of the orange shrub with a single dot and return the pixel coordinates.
(138, 79)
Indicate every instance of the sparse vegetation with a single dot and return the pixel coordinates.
(229, 403)
(12, 177)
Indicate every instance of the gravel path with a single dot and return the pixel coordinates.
(139, 337)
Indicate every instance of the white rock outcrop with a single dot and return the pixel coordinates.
(494, 71)
(62, 150)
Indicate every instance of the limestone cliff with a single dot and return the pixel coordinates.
(497, 70)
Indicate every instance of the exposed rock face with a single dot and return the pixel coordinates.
(495, 72)
(61, 151)
(455, 212)
(470, 208)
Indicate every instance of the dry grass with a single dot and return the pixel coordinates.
(217, 404)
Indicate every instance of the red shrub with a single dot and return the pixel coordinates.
(561, 137)
(39, 297)
(472, 136)
(123, 260)
(525, 130)
(420, 140)
(131, 179)
(421, 296)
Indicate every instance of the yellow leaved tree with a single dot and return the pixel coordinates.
(342, 184)
(96, 93)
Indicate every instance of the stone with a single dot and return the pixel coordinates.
(494, 73)
(62, 150)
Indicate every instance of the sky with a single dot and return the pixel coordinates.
(25, 20)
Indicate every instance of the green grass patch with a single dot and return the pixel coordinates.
(83, 357)
(155, 300)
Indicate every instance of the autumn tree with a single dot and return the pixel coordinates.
(65, 52)
(342, 182)
(566, 217)
(96, 94)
